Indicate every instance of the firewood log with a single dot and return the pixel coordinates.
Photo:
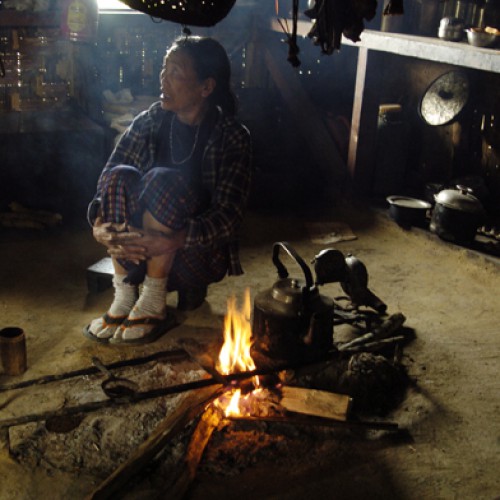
(314, 402)
(199, 440)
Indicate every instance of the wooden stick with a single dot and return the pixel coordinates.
(141, 396)
(388, 327)
(199, 440)
(109, 403)
(321, 422)
(375, 346)
(172, 425)
(174, 355)
(198, 354)
(314, 402)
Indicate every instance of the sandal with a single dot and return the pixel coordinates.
(161, 326)
(108, 320)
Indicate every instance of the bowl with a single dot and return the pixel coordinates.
(408, 212)
(482, 37)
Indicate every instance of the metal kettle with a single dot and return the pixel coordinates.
(292, 322)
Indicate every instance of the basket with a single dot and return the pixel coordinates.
(186, 12)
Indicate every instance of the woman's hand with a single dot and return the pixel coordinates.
(159, 243)
(120, 240)
(129, 243)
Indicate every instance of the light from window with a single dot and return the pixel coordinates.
(111, 5)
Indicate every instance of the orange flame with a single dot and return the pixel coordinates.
(235, 354)
(233, 408)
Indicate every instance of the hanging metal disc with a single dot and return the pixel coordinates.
(445, 98)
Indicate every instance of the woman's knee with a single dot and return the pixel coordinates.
(123, 174)
(164, 176)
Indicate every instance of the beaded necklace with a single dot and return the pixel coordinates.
(189, 156)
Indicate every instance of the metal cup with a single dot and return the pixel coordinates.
(13, 350)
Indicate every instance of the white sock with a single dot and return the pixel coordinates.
(123, 302)
(125, 296)
(152, 303)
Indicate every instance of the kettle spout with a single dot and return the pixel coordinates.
(309, 336)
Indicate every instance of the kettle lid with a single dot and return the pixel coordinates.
(288, 291)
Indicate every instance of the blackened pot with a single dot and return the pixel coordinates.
(457, 215)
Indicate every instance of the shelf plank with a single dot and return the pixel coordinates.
(427, 48)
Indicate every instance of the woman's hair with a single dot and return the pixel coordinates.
(210, 60)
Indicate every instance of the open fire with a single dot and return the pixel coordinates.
(298, 383)
(235, 357)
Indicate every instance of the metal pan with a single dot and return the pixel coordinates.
(115, 387)
(408, 212)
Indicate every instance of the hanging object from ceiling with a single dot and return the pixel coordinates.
(187, 12)
(445, 98)
(293, 48)
(394, 8)
(334, 18)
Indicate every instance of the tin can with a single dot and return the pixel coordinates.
(13, 350)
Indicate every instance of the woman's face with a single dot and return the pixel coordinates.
(181, 91)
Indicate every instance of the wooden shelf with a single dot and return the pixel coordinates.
(431, 49)
(420, 47)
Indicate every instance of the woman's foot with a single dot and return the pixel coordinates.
(104, 328)
(148, 314)
(125, 297)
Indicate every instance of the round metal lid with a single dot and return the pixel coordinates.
(445, 98)
(459, 199)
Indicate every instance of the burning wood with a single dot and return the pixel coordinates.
(199, 440)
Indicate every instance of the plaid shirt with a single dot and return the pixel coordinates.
(226, 174)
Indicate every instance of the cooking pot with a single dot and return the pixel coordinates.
(457, 215)
(292, 322)
(407, 211)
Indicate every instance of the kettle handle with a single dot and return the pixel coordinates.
(282, 270)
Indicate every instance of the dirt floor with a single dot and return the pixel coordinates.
(450, 447)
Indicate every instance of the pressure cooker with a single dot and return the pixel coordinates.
(457, 215)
